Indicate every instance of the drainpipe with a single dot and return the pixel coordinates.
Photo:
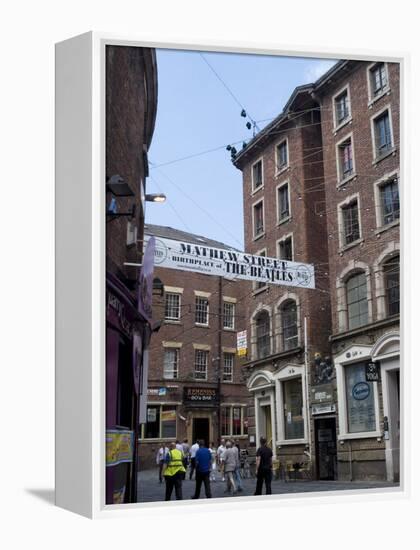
(308, 421)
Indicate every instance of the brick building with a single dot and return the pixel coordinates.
(321, 186)
(196, 387)
(131, 103)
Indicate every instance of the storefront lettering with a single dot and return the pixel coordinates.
(117, 306)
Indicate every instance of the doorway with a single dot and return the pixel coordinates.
(391, 390)
(326, 448)
(267, 429)
(201, 430)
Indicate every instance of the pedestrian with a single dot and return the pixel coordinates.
(263, 467)
(203, 468)
(186, 453)
(229, 462)
(213, 462)
(179, 446)
(193, 450)
(174, 469)
(220, 450)
(160, 459)
(237, 472)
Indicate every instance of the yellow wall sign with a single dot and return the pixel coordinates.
(119, 446)
(168, 415)
(241, 343)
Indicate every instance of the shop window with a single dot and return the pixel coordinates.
(200, 364)
(263, 334)
(289, 325)
(293, 409)
(172, 306)
(171, 363)
(160, 422)
(152, 426)
(228, 360)
(125, 385)
(360, 400)
(389, 201)
(391, 270)
(234, 421)
(168, 418)
(228, 315)
(201, 310)
(357, 303)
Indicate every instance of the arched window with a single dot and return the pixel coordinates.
(289, 325)
(392, 285)
(357, 303)
(263, 334)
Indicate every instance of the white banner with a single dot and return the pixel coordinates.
(231, 264)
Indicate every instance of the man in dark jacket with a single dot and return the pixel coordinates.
(202, 470)
(263, 467)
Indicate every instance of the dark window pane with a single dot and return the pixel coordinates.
(263, 335)
(392, 285)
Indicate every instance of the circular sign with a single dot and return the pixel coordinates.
(361, 391)
(161, 252)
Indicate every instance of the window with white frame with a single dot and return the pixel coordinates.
(262, 325)
(282, 155)
(257, 175)
(342, 107)
(350, 222)
(160, 422)
(345, 159)
(201, 362)
(258, 215)
(228, 361)
(391, 271)
(378, 77)
(172, 306)
(228, 315)
(360, 399)
(285, 249)
(170, 363)
(357, 302)
(283, 212)
(382, 134)
(201, 310)
(289, 325)
(294, 425)
(389, 201)
(234, 420)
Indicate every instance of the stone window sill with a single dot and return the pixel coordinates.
(385, 91)
(350, 245)
(346, 180)
(342, 124)
(383, 228)
(377, 160)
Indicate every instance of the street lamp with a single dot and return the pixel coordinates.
(155, 197)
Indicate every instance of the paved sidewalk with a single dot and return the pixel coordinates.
(150, 490)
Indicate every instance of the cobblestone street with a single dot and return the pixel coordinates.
(150, 490)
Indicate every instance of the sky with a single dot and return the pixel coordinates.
(197, 117)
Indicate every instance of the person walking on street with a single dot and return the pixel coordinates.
(173, 472)
(179, 446)
(203, 468)
(263, 467)
(237, 472)
(213, 462)
(160, 459)
(219, 453)
(229, 465)
(193, 450)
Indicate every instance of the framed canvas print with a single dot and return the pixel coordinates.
(228, 274)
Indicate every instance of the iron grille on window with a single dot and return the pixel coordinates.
(228, 315)
(342, 107)
(258, 219)
(200, 364)
(170, 364)
(201, 310)
(228, 359)
(379, 80)
(390, 201)
(289, 325)
(351, 223)
(283, 202)
(282, 155)
(263, 334)
(382, 134)
(392, 285)
(172, 306)
(257, 174)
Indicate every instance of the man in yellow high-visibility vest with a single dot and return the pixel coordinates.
(174, 472)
